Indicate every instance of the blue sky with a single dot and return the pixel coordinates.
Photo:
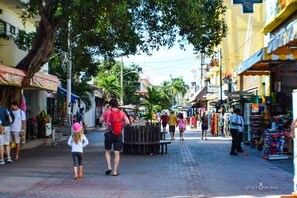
(166, 62)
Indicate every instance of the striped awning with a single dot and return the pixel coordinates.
(259, 63)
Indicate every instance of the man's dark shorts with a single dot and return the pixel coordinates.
(115, 140)
(171, 129)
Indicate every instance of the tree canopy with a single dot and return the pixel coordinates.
(104, 29)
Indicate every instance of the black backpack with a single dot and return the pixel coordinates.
(10, 116)
(6, 116)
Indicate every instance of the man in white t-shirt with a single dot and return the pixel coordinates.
(18, 127)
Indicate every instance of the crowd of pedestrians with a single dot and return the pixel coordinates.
(14, 132)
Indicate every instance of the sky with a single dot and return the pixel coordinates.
(166, 62)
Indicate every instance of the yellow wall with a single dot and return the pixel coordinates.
(233, 46)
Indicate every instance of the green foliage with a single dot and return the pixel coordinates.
(109, 80)
(102, 30)
(106, 29)
(152, 102)
(169, 90)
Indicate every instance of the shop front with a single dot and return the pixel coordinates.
(34, 97)
(269, 113)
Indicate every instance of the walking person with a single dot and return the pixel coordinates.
(172, 122)
(115, 120)
(5, 134)
(234, 123)
(164, 120)
(204, 125)
(77, 141)
(181, 121)
(18, 127)
(240, 133)
(198, 118)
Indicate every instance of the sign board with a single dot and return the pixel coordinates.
(247, 5)
(212, 89)
(213, 104)
(237, 95)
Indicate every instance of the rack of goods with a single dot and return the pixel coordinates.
(256, 130)
(273, 148)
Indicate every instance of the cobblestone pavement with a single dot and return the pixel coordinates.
(192, 168)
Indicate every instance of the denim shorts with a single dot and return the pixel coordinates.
(113, 140)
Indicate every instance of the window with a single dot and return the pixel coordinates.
(2, 28)
(12, 29)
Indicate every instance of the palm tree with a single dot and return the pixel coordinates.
(174, 88)
(152, 101)
(109, 85)
(166, 98)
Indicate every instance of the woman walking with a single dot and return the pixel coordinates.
(204, 125)
(181, 121)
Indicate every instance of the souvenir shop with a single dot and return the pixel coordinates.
(268, 117)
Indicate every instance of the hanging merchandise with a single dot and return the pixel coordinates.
(23, 104)
(273, 145)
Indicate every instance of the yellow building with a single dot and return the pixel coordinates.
(244, 38)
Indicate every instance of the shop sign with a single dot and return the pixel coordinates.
(237, 95)
(284, 36)
(212, 89)
(213, 104)
(247, 5)
(15, 77)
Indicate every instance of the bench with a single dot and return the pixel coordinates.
(163, 135)
(163, 146)
(143, 139)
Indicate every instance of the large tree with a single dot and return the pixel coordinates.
(113, 28)
(104, 29)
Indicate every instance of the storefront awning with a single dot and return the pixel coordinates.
(14, 77)
(259, 63)
(64, 93)
(199, 95)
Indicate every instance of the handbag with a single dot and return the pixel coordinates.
(1, 129)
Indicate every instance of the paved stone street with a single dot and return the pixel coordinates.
(192, 168)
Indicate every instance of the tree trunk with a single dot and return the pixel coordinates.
(9, 94)
(42, 48)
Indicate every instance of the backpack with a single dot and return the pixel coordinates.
(10, 116)
(116, 122)
(6, 116)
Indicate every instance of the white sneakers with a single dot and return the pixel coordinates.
(2, 162)
(9, 160)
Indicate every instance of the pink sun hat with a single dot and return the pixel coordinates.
(76, 127)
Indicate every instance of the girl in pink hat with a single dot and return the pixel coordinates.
(77, 141)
